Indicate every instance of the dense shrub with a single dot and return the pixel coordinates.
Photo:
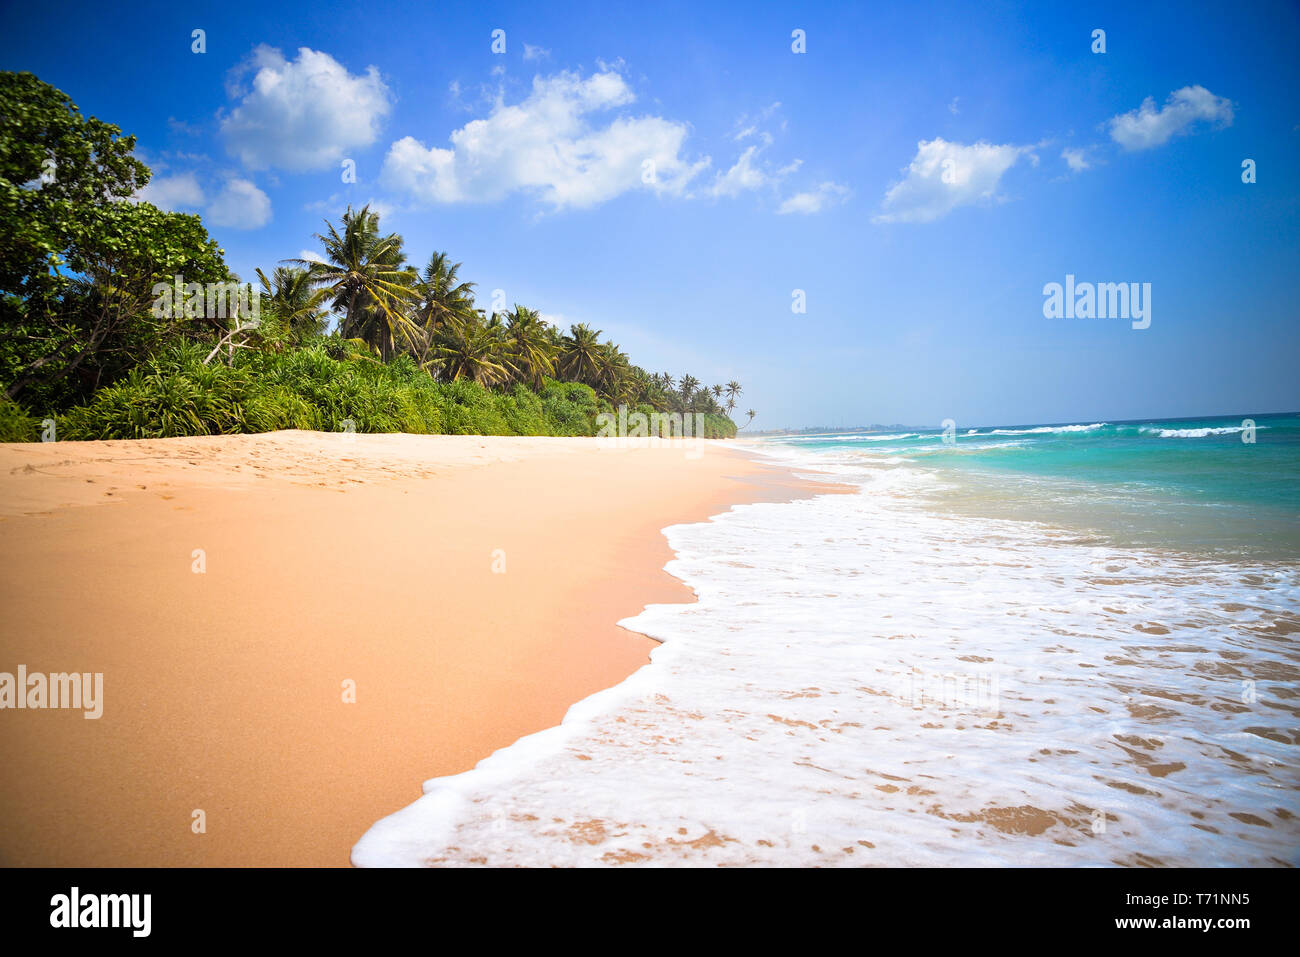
(16, 425)
(175, 394)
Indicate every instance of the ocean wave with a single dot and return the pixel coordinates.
(1049, 429)
(1194, 433)
(848, 437)
(884, 683)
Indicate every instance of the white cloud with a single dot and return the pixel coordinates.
(1147, 126)
(943, 176)
(240, 205)
(747, 174)
(302, 114)
(952, 107)
(748, 126)
(535, 53)
(742, 176)
(1076, 159)
(173, 193)
(548, 144)
(311, 256)
(823, 197)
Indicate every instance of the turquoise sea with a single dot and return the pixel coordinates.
(1198, 484)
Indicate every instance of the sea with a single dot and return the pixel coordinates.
(1068, 644)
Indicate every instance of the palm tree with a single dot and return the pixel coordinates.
(531, 349)
(686, 388)
(443, 297)
(580, 361)
(293, 299)
(751, 413)
(733, 392)
(366, 276)
(613, 374)
(466, 348)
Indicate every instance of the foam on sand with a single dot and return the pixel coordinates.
(875, 682)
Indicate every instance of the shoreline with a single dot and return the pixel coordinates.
(470, 605)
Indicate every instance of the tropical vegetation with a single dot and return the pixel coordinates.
(355, 337)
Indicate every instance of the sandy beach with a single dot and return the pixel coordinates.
(467, 586)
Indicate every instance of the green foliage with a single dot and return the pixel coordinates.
(82, 267)
(175, 394)
(16, 425)
(63, 334)
(55, 166)
(715, 425)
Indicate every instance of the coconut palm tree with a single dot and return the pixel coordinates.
(733, 393)
(613, 373)
(686, 388)
(466, 348)
(751, 413)
(531, 349)
(365, 276)
(580, 360)
(293, 300)
(443, 297)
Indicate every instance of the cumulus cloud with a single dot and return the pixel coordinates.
(535, 53)
(1147, 127)
(303, 114)
(814, 201)
(311, 256)
(553, 144)
(173, 193)
(943, 176)
(240, 205)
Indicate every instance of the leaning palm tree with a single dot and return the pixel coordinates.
(365, 275)
(751, 413)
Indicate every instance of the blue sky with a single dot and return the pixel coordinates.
(920, 173)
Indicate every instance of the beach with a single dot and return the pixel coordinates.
(994, 652)
(296, 629)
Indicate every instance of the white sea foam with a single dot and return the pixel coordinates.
(851, 437)
(1194, 433)
(1048, 429)
(867, 680)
